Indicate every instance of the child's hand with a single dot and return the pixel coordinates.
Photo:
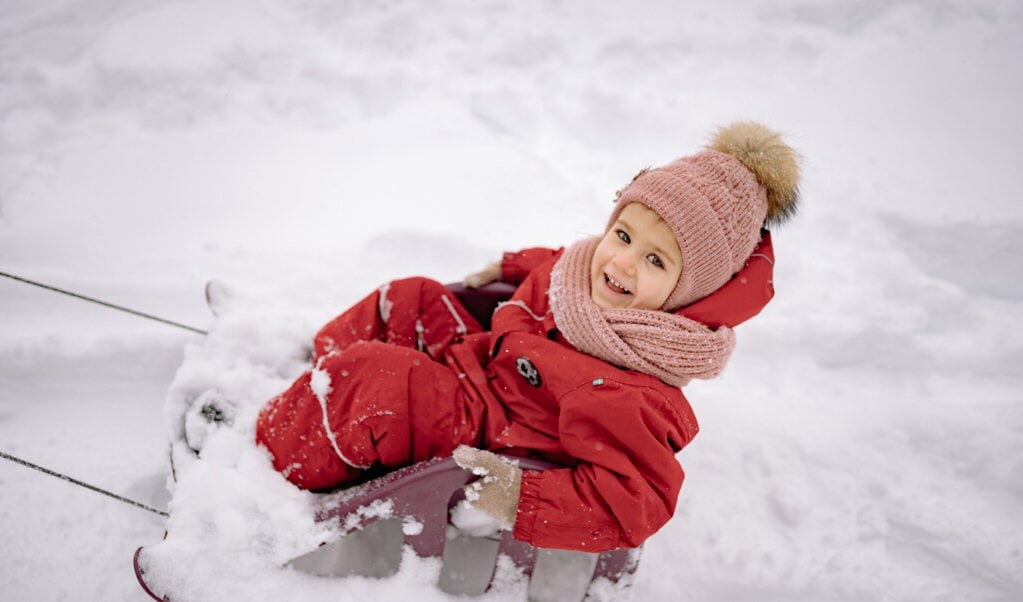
(491, 273)
(490, 502)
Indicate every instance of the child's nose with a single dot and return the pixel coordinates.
(625, 263)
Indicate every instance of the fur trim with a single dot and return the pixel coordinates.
(773, 162)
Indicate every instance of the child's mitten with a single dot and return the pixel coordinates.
(495, 495)
(491, 273)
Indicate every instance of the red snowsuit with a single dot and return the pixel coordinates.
(407, 374)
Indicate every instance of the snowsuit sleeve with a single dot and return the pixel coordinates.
(515, 266)
(627, 482)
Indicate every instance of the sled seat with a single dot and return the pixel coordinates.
(376, 520)
(482, 301)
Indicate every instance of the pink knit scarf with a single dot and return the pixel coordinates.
(669, 346)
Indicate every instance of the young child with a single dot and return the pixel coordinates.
(582, 367)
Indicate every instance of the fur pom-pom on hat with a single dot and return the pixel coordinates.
(772, 162)
(717, 201)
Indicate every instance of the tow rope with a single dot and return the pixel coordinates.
(64, 477)
(104, 303)
(82, 484)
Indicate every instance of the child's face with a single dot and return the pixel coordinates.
(637, 263)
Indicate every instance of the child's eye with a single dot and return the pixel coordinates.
(622, 234)
(655, 260)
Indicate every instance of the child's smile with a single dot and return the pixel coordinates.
(638, 262)
(616, 286)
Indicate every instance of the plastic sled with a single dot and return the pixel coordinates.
(410, 507)
(373, 523)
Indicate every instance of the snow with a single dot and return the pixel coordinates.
(865, 442)
(472, 521)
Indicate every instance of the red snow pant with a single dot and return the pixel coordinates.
(378, 395)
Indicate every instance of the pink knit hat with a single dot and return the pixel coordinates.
(716, 203)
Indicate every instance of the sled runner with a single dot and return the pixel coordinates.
(370, 525)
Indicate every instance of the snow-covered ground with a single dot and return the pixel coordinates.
(866, 442)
